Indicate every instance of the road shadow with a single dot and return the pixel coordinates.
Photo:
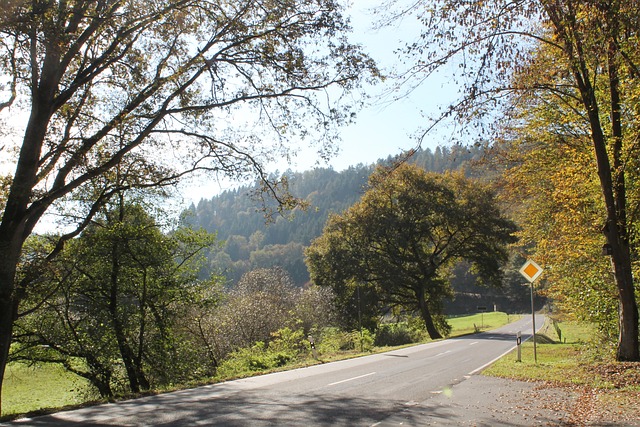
(246, 408)
(260, 408)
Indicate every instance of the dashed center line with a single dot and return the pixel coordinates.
(352, 379)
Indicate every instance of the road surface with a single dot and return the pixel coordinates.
(375, 390)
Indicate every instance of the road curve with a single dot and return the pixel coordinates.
(358, 392)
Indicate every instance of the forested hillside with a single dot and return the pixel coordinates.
(251, 243)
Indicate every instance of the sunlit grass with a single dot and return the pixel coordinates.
(566, 362)
(479, 322)
(29, 388)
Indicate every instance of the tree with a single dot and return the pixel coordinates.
(554, 193)
(593, 53)
(261, 304)
(406, 233)
(116, 294)
(118, 82)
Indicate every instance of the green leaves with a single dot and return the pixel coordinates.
(403, 236)
(116, 295)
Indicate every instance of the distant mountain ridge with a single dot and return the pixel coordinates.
(249, 243)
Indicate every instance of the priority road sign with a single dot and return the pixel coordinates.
(531, 271)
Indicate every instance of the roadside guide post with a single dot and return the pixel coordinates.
(518, 342)
(312, 344)
(482, 309)
(531, 271)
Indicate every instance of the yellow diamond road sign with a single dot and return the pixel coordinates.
(530, 270)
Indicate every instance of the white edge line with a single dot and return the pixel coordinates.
(351, 379)
(475, 371)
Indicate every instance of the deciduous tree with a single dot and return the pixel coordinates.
(593, 52)
(114, 296)
(163, 88)
(405, 233)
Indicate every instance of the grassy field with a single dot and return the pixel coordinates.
(556, 361)
(479, 322)
(27, 389)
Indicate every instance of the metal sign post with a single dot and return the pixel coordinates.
(531, 271)
(533, 321)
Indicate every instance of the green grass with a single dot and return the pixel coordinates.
(27, 389)
(479, 322)
(565, 362)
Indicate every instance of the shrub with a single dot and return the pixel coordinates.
(363, 340)
(390, 334)
(285, 347)
(331, 340)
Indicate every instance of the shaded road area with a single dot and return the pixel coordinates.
(430, 384)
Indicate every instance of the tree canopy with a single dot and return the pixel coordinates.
(160, 89)
(401, 240)
(116, 293)
(580, 55)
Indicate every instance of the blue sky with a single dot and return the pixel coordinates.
(382, 128)
(387, 128)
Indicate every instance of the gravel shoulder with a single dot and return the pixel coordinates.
(489, 401)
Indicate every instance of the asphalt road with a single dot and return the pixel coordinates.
(375, 390)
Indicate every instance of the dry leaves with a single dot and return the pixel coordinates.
(617, 403)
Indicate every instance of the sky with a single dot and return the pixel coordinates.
(382, 128)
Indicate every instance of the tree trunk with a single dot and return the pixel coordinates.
(99, 376)
(9, 296)
(612, 179)
(426, 316)
(616, 232)
(8, 314)
(628, 345)
(17, 223)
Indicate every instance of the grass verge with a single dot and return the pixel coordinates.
(30, 388)
(479, 322)
(577, 364)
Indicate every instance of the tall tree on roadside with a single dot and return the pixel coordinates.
(596, 63)
(165, 88)
(115, 294)
(554, 196)
(405, 234)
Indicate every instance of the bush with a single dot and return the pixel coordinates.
(390, 334)
(362, 340)
(333, 340)
(284, 347)
(400, 333)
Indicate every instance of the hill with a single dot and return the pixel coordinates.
(250, 243)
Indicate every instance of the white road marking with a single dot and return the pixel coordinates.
(474, 343)
(351, 379)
